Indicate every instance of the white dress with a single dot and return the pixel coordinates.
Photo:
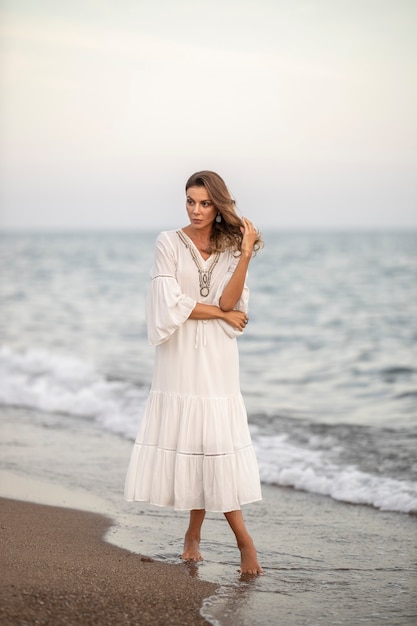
(193, 449)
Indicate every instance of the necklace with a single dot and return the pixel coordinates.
(203, 274)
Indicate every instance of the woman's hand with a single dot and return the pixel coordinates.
(234, 288)
(250, 234)
(237, 319)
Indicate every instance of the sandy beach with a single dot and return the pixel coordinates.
(56, 569)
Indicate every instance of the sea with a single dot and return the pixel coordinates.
(328, 361)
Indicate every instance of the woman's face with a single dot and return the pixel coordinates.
(200, 208)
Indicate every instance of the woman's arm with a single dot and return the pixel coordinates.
(237, 319)
(234, 288)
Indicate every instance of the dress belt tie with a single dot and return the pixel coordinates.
(200, 330)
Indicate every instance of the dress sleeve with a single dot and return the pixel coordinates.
(241, 305)
(167, 308)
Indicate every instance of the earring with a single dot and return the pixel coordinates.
(218, 218)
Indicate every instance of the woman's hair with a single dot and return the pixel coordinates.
(226, 234)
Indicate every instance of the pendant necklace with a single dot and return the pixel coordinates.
(203, 274)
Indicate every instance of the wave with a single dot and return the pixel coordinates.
(41, 380)
(286, 464)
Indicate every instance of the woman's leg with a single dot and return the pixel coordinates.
(192, 536)
(248, 557)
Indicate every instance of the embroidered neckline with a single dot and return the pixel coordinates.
(203, 274)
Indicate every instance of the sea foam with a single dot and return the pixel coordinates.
(286, 464)
(39, 379)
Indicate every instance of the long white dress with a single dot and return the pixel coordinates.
(193, 449)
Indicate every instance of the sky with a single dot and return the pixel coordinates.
(307, 109)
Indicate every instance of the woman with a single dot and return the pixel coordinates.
(193, 450)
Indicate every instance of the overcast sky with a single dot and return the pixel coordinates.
(306, 108)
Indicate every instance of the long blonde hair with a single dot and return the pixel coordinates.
(225, 235)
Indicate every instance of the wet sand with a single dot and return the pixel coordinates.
(56, 569)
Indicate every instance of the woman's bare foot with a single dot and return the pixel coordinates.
(249, 560)
(191, 549)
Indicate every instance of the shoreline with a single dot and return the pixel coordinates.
(331, 561)
(325, 561)
(58, 568)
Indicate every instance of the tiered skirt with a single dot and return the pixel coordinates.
(194, 452)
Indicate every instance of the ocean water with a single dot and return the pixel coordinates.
(329, 377)
(328, 360)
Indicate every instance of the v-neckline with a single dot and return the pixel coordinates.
(196, 249)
